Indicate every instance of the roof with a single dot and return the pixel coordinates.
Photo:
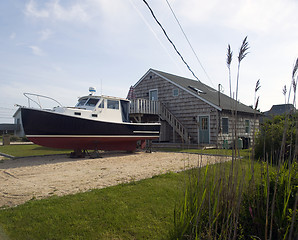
(202, 91)
(280, 109)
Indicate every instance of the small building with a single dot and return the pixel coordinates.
(19, 131)
(190, 111)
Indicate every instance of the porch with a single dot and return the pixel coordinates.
(143, 109)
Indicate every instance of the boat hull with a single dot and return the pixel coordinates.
(57, 130)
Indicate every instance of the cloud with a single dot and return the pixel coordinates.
(37, 51)
(55, 11)
(31, 10)
(262, 16)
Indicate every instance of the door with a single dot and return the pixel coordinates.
(153, 95)
(203, 130)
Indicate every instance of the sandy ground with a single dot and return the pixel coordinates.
(39, 177)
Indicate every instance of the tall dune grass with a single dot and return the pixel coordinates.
(239, 202)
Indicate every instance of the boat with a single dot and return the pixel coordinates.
(95, 123)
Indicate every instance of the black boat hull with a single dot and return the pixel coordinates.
(57, 130)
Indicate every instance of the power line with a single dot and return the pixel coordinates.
(155, 35)
(189, 43)
(165, 33)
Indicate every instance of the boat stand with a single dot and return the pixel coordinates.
(94, 154)
(148, 146)
(78, 153)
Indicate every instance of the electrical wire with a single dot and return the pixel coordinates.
(189, 43)
(155, 35)
(165, 33)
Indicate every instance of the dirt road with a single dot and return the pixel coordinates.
(39, 177)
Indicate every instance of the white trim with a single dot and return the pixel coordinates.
(146, 132)
(88, 136)
(196, 95)
(138, 82)
(152, 90)
(177, 85)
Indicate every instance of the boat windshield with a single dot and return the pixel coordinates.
(92, 102)
(82, 102)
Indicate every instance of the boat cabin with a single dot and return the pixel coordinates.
(101, 108)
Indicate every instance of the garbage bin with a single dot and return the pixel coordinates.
(225, 144)
(240, 143)
(6, 139)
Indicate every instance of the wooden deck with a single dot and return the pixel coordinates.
(144, 106)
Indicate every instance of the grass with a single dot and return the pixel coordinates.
(30, 150)
(224, 152)
(139, 210)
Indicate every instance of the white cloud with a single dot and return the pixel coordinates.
(31, 10)
(37, 51)
(55, 11)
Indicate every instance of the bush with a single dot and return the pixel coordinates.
(227, 203)
(270, 138)
(272, 199)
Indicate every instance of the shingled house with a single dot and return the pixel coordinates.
(189, 111)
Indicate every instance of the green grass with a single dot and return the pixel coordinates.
(139, 210)
(30, 150)
(225, 152)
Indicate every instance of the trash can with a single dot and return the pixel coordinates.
(240, 143)
(225, 144)
(6, 139)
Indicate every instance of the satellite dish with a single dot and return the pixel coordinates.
(92, 90)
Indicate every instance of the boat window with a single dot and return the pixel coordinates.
(77, 113)
(82, 102)
(94, 115)
(113, 104)
(102, 104)
(92, 102)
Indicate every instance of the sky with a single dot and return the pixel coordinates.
(60, 48)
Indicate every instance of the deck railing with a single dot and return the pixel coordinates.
(144, 106)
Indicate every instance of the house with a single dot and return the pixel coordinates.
(189, 111)
(19, 131)
(279, 110)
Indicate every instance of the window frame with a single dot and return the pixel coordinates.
(174, 90)
(247, 126)
(109, 104)
(225, 127)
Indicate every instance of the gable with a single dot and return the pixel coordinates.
(201, 91)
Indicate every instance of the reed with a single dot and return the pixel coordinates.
(246, 201)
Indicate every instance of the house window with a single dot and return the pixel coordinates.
(225, 125)
(247, 126)
(113, 104)
(175, 92)
(204, 122)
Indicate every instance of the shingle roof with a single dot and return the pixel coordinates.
(279, 109)
(204, 92)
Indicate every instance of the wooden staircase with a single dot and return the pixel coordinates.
(144, 106)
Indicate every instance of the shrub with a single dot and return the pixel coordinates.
(227, 203)
(269, 141)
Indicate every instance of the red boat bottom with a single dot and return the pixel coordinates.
(91, 143)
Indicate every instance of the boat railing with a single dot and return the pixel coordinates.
(38, 96)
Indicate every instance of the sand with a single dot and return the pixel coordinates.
(23, 179)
